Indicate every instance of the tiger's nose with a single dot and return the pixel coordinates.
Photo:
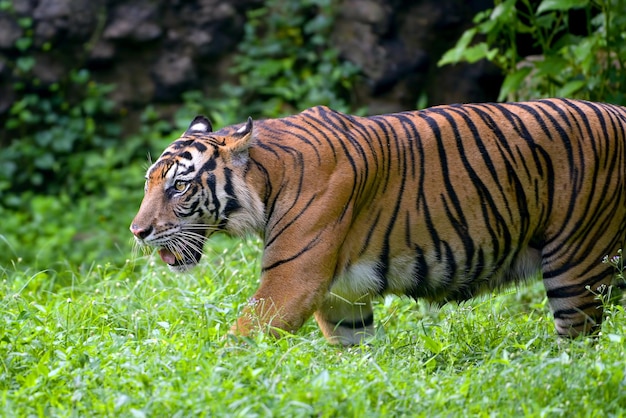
(140, 232)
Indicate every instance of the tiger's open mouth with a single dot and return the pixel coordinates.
(184, 255)
(180, 261)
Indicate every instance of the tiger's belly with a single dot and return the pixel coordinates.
(431, 279)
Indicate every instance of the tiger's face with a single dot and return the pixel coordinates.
(195, 189)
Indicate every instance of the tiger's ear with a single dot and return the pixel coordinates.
(199, 124)
(241, 140)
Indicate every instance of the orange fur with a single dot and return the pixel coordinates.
(441, 204)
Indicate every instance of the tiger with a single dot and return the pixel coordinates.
(440, 204)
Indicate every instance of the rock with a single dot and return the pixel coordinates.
(153, 50)
(49, 68)
(102, 51)
(376, 14)
(134, 21)
(173, 73)
(398, 48)
(74, 20)
(134, 84)
(24, 7)
(10, 31)
(210, 27)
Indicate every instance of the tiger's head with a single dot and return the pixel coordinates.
(196, 188)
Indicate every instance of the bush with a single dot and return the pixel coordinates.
(65, 137)
(285, 64)
(58, 137)
(578, 48)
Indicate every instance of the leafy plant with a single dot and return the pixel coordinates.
(567, 59)
(56, 137)
(287, 62)
(615, 293)
(222, 111)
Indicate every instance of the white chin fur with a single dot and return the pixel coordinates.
(181, 268)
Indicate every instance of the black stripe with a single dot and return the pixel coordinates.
(186, 155)
(276, 234)
(199, 146)
(181, 143)
(568, 291)
(232, 202)
(382, 267)
(303, 250)
(292, 132)
(312, 122)
(209, 165)
(337, 124)
(576, 311)
(188, 170)
(373, 228)
(420, 286)
(212, 196)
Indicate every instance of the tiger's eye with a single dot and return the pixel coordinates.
(180, 185)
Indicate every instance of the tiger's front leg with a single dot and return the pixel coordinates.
(285, 299)
(345, 322)
(299, 264)
(294, 288)
(341, 321)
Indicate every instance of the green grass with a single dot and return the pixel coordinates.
(88, 330)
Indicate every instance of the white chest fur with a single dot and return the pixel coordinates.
(363, 279)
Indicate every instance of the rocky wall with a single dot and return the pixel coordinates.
(152, 50)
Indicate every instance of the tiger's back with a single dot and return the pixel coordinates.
(438, 204)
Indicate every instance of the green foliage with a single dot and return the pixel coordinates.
(135, 340)
(285, 63)
(617, 261)
(65, 232)
(62, 138)
(586, 62)
(65, 137)
(56, 143)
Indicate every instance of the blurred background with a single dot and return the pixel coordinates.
(90, 88)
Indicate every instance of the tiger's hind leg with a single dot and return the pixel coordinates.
(574, 295)
(345, 322)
